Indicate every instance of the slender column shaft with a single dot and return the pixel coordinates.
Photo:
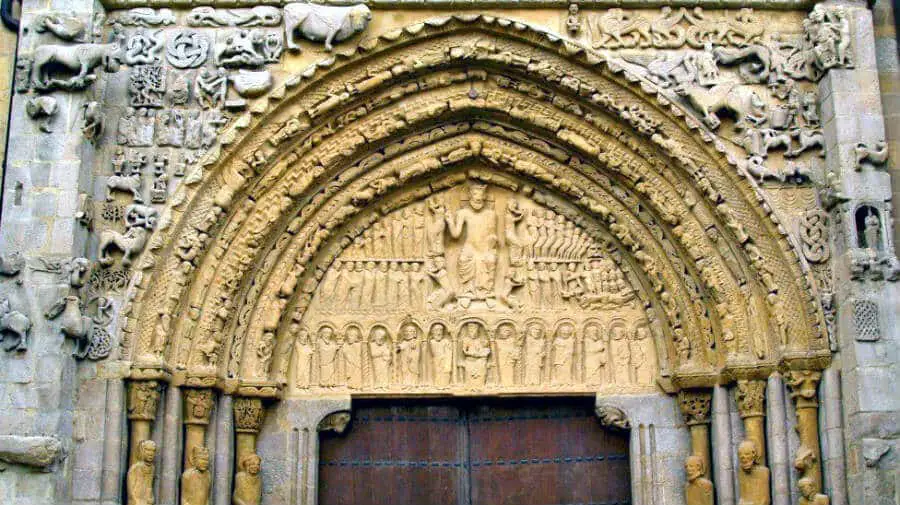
(224, 452)
(751, 400)
(197, 409)
(113, 472)
(695, 407)
(803, 384)
(778, 441)
(723, 468)
(168, 479)
(835, 473)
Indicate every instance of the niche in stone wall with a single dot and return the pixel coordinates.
(868, 228)
(475, 289)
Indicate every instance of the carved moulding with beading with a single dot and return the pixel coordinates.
(372, 45)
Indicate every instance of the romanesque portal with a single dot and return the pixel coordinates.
(293, 223)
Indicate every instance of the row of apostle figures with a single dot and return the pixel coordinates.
(510, 354)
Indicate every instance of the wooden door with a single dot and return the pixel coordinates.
(516, 452)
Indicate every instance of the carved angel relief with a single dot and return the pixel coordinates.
(474, 288)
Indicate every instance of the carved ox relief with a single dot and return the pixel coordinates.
(475, 288)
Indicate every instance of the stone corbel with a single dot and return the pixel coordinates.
(612, 417)
(143, 398)
(37, 452)
(803, 385)
(695, 407)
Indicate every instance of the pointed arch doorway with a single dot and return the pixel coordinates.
(549, 451)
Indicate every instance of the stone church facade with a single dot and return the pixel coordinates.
(228, 227)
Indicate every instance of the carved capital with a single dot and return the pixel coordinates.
(803, 384)
(751, 398)
(197, 406)
(695, 406)
(143, 397)
(248, 415)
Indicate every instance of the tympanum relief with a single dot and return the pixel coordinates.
(475, 288)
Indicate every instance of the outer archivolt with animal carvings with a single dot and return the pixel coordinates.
(590, 117)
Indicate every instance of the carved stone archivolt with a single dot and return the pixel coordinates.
(644, 217)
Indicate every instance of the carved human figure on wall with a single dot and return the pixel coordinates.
(303, 354)
(441, 348)
(563, 354)
(475, 353)
(596, 356)
(381, 351)
(477, 262)
(195, 480)
(435, 224)
(408, 352)
(621, 354)
(444, 291)
(353, 356)
(698, 490)
(329, 352)
(872, 231)
(535, 352)
(509, 353)
(753, 477)
(809, 494)
(248, 481)
(140, 475)
(643, 357)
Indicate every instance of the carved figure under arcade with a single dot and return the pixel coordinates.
(475, 288)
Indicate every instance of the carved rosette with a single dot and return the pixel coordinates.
(803, 384)
(695, 406)
(143, 397)
(751, 398)
(248, 415)
(197, 406)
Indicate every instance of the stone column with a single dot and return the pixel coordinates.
(224, 451)
(695, 407)
(168, 479)
(779, 458)
(112, 473)
(751, 401)
(803, 384)
(723, 467)
(143, 397)
(197, 408)
(248, 418)
(833, 461)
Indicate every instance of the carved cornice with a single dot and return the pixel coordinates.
(457, 5)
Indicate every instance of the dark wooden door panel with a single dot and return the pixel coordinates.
(394, 456)
(547, 452)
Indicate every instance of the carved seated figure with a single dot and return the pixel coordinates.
(140, 475)
(248, 482)
(754, 477)
(699, 489)
(809, 495)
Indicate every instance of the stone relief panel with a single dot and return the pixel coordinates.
(474, 289)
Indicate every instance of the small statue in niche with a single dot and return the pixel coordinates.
(595, 354)
(809, 495)
(871, 233)
(353, 355)
(475, 353)
(563, 354)
(408, 355)
(329, 350)
(248, 482)
(573, 20)
(441, 348)
(195, 480)
(140, 475)
(380, 349)
(303, 355)
(535, 352)
(753, 477)
(509, 353)
(699, 489)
